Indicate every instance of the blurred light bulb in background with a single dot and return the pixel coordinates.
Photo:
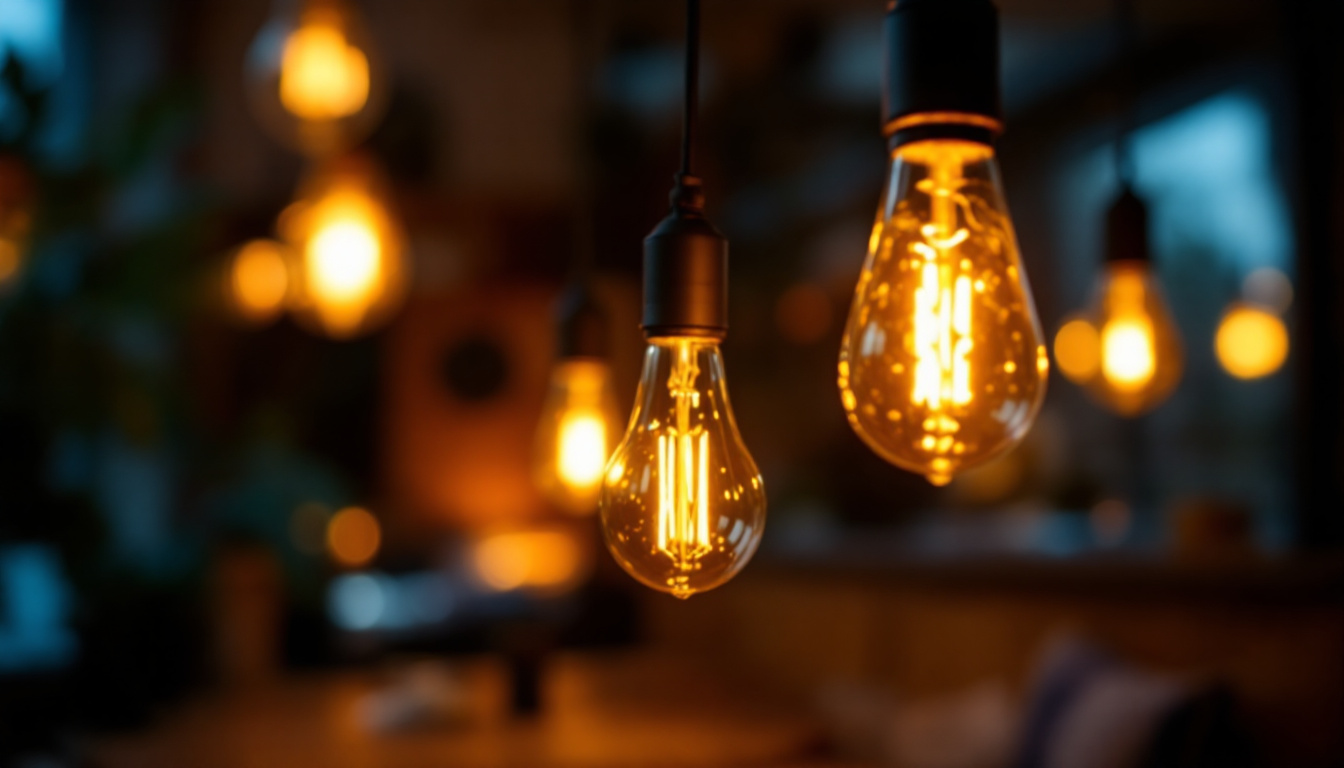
(1251, 341)
(942, 366)
(351, 273)
(258, 280)
(683, 505)
(312, 78)
(1139, 346)
(322, 76)
(576, 433)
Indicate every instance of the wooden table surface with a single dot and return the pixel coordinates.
(602, 710)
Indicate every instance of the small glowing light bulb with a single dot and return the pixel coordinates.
(313, 79)
(1139, 347)
(942, 366)
(1251, 341)
(576, 434)
(683, 505)
(322, 76)
(351, 273)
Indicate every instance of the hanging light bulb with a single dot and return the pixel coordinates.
(351, 271)
(313, 81)
(578, 426)
(942, 366)
(1139, 347)
(683, 505)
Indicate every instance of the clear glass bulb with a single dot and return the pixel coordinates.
(576, 434)
(312, 77)
(942, 366)
(1139, 345)
(351, 272)
(683, 505)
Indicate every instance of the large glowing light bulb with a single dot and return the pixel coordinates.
(576, 434)
(351, 271)
(1140, 349)
(1251, 341)
(942, 366)
(312, 77)
(683, 505)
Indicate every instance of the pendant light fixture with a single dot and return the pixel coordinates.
(682, 502)
(579, 422)
(942, 365)
(314, 80)
(1137, 345)
(350, 270)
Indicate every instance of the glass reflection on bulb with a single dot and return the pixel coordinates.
(942, 366)
(352, 272)
(1140, 349)
(683, 504)
(313, 80)
(576, 434)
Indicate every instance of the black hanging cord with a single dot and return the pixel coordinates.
(691, 100)
(686, 193)
(1128, 24)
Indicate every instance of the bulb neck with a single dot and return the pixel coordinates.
(942, 71)
(1127, 229)
(685, 270)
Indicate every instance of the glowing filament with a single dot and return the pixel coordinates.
(1128, 358)
(683, 497)
(344, 259)
(942, 330)
(683, 473)
(583, 449)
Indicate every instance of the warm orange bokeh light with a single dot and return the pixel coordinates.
(322, 76)
(1251, 342)
(259, 280)
(353, 537)
(1078, 350)
(351, 271)
(9, 259)
(545, 560)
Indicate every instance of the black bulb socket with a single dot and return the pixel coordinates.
(941, 79)
(686, 270)
(581, 324)
(1127, 229)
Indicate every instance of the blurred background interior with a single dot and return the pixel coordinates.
(253, 515)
